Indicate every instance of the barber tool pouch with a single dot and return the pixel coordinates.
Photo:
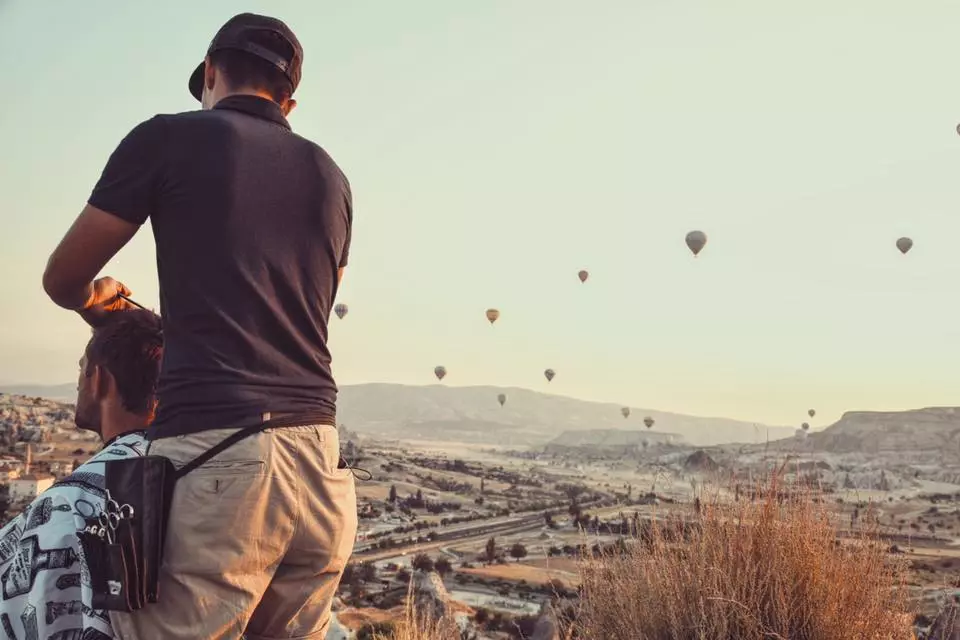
(146, 484)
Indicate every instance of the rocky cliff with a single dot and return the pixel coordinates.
(932, 429)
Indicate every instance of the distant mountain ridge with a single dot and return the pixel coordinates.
(58, 392)
(473, 414)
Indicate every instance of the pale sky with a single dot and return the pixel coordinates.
(497, 147)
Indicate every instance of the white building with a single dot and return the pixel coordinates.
(29, 486)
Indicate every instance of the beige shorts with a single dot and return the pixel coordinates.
(257, 539)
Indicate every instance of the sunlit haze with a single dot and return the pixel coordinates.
(496, 148)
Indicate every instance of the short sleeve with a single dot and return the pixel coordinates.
(348, 204)
(130, 183)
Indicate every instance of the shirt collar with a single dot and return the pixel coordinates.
(140, 432)
(254, 106)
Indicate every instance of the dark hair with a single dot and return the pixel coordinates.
(130, 347)
(244, 70)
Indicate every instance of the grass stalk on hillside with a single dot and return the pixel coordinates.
(770, 569)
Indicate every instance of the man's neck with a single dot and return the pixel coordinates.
(249, 92)
(231, 93)
(113, 427)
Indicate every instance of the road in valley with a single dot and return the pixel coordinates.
(461, 536)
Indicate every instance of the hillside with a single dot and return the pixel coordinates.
(472, 414)
(931, 429)
(47, 425)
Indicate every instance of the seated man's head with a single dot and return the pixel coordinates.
(119, 369)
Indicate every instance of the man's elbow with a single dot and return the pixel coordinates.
(58, 288)
(52, 286)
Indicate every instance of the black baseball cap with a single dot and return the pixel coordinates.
(236, 34)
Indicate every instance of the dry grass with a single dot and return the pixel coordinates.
(421, 624)
(768, 569)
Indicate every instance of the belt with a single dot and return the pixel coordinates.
(271, 419)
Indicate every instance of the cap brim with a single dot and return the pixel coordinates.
(196, 82)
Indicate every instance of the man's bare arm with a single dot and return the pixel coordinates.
(93, 239)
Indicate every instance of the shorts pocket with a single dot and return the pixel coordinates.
(217, 477)
(231, 467)
(332, 461)
(218, 521)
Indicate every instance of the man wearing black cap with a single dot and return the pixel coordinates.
(252, 227)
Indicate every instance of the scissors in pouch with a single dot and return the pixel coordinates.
(109, 519)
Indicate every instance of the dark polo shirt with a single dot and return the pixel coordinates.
(251, 223)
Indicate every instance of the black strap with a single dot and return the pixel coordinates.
(226, 443)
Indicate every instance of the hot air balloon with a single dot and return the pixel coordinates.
(812, 412)
(695, 241)
(904, 244)
(583, 275)
(492, 315)
(805, 426)
(626, 412)
(648, 421)
(502, 398)
(549, 373)
(440, 372)
(341, 310)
